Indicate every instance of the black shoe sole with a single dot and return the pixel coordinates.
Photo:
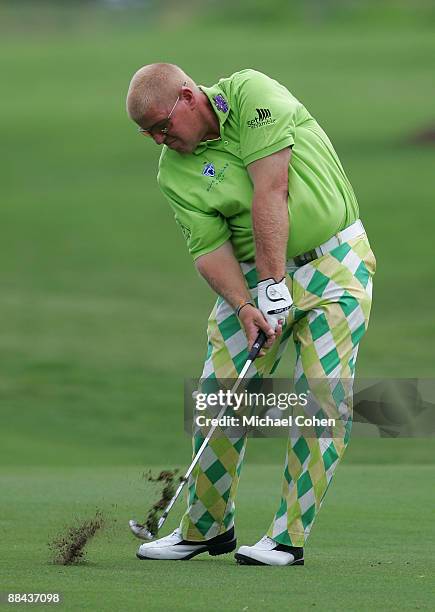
(214, 550)
(222, 548)
(244, 560)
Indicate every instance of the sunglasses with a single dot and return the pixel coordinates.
(161, 127)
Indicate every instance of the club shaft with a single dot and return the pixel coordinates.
(252, 355)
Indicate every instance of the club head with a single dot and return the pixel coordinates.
(140, 531)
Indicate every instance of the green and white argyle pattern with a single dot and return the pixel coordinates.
(332, 298)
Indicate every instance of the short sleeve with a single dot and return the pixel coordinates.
(267, 113)
(204, 232)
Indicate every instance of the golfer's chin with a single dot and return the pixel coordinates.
(181, 147)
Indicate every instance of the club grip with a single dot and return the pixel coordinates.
(256, 347)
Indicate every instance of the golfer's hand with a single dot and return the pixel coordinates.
(274, 301)
(253, 321)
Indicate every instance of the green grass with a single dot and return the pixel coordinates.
(103, 315)
(90, 242)
(366, 552)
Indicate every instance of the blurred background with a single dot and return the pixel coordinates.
(103, 315)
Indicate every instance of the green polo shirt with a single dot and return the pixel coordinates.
(210, 190)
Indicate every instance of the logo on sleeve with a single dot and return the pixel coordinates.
(185, 230)
(264, 117)
(208, 169)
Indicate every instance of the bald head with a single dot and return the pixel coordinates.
(155, 86)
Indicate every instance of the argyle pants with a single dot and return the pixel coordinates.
(330, 314)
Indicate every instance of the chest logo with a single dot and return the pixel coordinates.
(208, 170)
(216, 176)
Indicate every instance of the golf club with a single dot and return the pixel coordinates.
(139, 530)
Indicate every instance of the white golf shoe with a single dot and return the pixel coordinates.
(174, 547)
(269, 552)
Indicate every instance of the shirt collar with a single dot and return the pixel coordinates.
(221, 107)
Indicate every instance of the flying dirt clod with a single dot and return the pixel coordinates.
(169, 480)
(69, 547)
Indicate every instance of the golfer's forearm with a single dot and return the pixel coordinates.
(271, 228)
(222, 272)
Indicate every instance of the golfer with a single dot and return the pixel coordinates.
(272, 223)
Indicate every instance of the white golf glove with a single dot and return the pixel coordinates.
(274, 301)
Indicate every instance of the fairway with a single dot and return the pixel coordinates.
(364, 552)
(103, 315)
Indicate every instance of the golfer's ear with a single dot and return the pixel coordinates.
(188, 96)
